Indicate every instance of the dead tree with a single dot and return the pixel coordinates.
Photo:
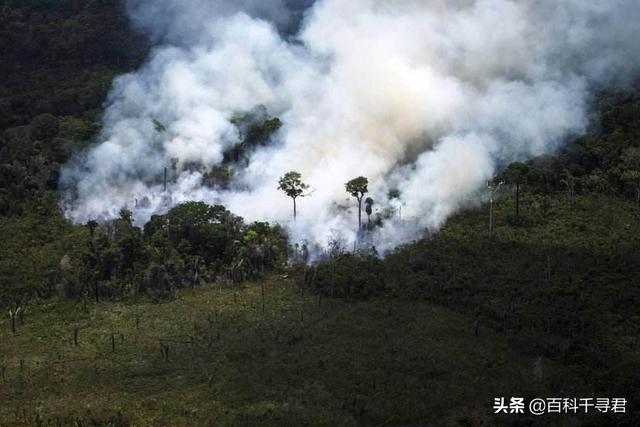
(15, 314)
(493, 189)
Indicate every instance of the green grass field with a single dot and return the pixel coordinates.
(303, 361)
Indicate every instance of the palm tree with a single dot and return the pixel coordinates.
(357, 187)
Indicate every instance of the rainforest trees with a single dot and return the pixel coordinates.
(293, 186)
(358, 187)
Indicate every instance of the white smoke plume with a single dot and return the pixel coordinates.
(424, 96)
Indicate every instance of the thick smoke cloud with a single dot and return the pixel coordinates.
(426, 96)
(185, 22)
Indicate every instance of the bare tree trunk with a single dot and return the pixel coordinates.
(491, 216)
(196, 272)
(333, 273)
(295, 213)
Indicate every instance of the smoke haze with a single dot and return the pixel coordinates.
(425, 96)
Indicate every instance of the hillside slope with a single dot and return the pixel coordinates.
(303, 361)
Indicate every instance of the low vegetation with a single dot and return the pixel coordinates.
(262, 354)
(562, 284)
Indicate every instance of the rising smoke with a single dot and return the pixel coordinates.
(426, 96)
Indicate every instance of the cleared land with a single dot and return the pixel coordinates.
(212, 357)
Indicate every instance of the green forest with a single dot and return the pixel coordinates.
(202, 318)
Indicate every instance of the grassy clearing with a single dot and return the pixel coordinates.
(303, 361)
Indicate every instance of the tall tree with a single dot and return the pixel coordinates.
(516, 175)
(368, 208)
(394, 198)
(632, 179)
(569, 181)
(631, 175)
(357, 187)
(293, 186)
(493, 187)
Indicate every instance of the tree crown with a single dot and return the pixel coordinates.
(357, 187)
(292, 185)
(516, 173)
(368, 202)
